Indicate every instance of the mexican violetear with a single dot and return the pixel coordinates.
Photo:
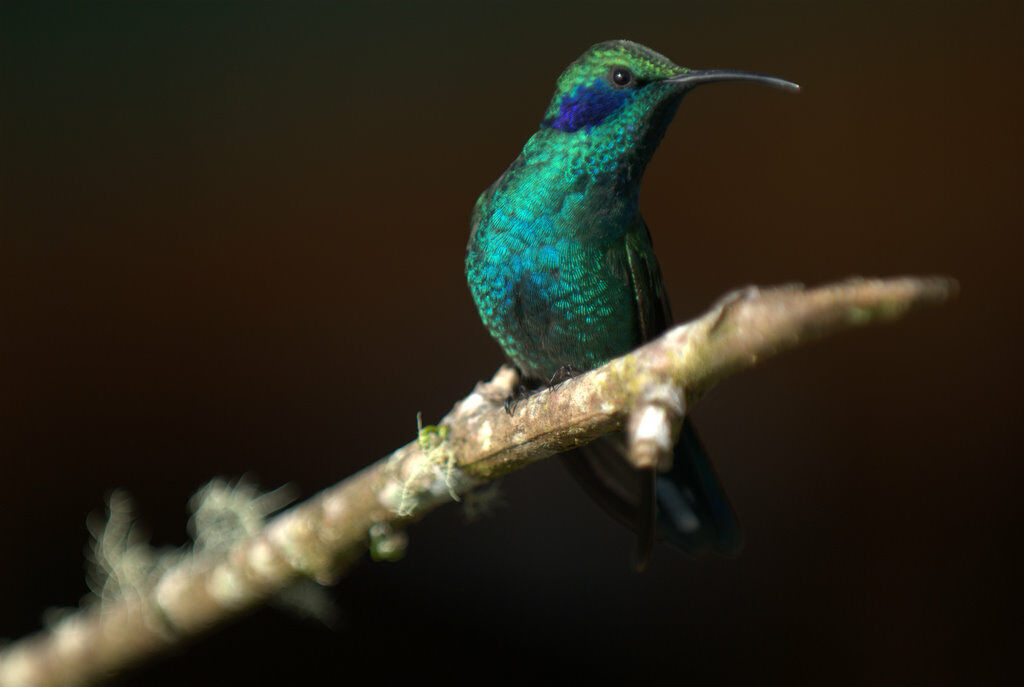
(563, 273)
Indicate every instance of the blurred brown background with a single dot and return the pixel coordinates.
(231, 241)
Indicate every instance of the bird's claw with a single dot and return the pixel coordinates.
(515, 398)
(563, 374)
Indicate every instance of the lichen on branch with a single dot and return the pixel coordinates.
(475, 443)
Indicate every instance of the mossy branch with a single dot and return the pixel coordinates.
(478, 441)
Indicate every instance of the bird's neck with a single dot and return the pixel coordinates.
(606, 160)
(611, 156)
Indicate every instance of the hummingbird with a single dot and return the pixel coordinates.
(562, 270)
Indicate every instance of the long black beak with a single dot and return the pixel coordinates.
(697, 77)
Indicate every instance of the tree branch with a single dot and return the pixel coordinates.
(646, 392)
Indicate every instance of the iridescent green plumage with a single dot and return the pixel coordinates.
(549, 255)
(560, 262)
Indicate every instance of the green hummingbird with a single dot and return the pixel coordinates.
(563, 273)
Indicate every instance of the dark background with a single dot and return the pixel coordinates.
(231, 241)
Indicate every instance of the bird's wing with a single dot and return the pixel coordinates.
(654, 313)
(693, 511)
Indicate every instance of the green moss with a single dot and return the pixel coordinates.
(430, 436)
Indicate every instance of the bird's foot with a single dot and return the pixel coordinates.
(563, 374)
(515, 398)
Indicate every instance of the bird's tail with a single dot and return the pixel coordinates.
(693, 511)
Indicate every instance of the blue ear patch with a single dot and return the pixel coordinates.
(588, 106)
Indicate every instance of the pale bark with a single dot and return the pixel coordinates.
(478, 441)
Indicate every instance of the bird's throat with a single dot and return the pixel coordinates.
(612, 153)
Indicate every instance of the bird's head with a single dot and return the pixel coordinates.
(625, 94)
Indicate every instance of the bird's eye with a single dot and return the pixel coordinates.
(621, 76)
